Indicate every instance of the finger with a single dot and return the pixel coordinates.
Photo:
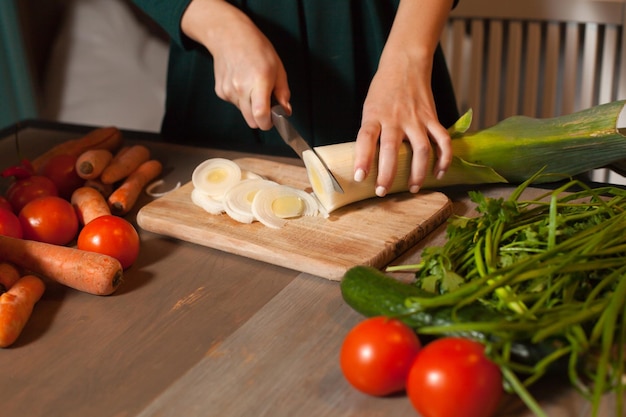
(260, 103)
(231, 93)
(443, 149)
(390, 140)
(245, 107)
(365, 149)
(282, 93)
(420, 159)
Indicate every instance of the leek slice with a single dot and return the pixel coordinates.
(206, 202)
(238, 198)
(272, 206)
(249, 175)
(156, 184)
(215, 176)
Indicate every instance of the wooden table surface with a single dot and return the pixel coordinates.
(198, 332)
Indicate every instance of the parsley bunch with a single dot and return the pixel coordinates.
(553, 268)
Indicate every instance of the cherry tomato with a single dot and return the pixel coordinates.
(452, 377)
(113, 236)
(24, 190)
(61, 169)
(10, 224)
(377, 354)
(49, 219)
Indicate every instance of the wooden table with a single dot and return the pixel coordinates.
(199, 332)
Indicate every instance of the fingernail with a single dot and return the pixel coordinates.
(440, 174)
(359, 175)
(414, 189)
(381, 191)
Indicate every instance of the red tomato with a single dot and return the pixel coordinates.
(61, 169)
(377, 354)
(25, 190)
(113, 236)
(452, 377)
(49, 219)
(4, 203)
(10, 224)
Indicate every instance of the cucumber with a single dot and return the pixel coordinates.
(370, 292)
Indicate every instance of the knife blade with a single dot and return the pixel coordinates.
(292, 138)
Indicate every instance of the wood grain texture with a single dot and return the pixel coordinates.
(275, 366)
(371, 232)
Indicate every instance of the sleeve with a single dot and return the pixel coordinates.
(168, 14)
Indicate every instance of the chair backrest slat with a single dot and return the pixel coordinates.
(551, 71)
(535, 57)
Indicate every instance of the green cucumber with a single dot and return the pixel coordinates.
(370, 292)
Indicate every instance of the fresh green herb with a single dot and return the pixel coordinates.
(554, 268)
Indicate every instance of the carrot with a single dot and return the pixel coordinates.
(90, 272)
(8, 276)
(91, 163)
(125, 196)
(120, 152)
(123, 165)
(102, 138)
(16, 306)
(105, 189)
(89, 204)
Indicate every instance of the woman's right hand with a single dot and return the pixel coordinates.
(248, 71)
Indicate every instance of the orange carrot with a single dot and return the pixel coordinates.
(16, 306)
(102, 138)
(123, 165)
(105, 189)
(8, 276)
(89, 204)
(90, 272)
(91, 163)
(124, 198)
(120, 152)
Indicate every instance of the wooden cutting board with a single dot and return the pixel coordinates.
(371, 232)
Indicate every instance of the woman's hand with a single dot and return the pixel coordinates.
(248, 71)
(399, 105)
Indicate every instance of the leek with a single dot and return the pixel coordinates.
(511, 151)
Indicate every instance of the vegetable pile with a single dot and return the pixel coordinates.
(539, 282)
(60, 219)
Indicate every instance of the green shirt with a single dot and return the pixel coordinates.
(330, 50)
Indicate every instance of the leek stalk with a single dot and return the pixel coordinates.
(511, 151)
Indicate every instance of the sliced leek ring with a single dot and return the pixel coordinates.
(206, 202)
(156, 184)
(272, 206)
(238, 199)
(216, 175)
(249, 175)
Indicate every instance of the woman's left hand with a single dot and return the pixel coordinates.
(400, 106)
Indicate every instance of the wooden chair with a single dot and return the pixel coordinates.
(539, 58)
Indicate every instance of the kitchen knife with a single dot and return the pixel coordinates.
(292, 138)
